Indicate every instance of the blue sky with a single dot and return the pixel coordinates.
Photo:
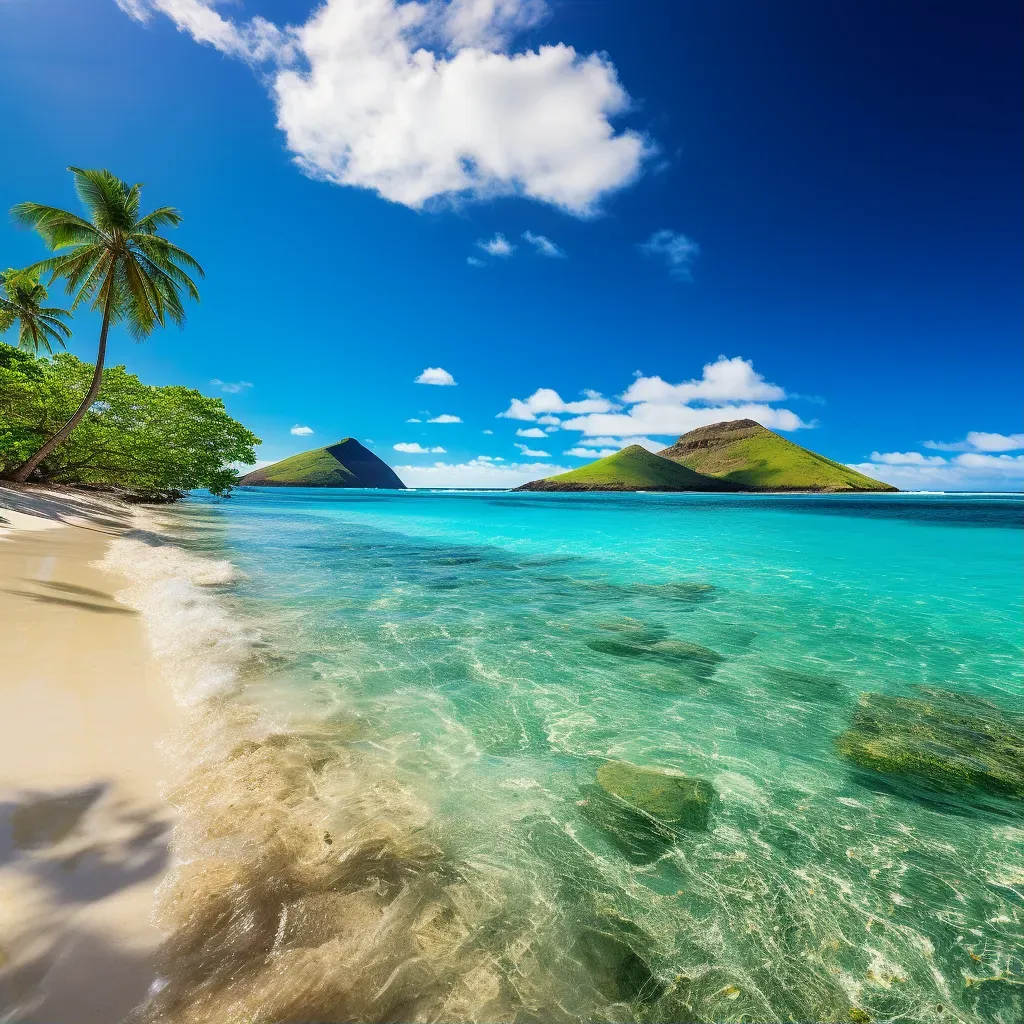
(607, 221)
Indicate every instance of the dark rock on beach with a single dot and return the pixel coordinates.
(946, 742)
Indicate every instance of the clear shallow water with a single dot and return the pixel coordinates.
(399, 702)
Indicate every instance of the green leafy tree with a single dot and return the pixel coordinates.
(119, 263)
(21, 303)
(134, 435)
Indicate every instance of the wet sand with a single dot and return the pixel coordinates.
(83, 711)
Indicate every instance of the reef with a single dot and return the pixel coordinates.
(946, 742)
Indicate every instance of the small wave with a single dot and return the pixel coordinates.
(201, 646)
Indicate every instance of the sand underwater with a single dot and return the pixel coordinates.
(410, 779)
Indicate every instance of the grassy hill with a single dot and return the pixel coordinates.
(345, 464)
(751, 457)
(632, 469)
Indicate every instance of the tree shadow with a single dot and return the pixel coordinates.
(67, 602)
(65, 505)
(61, 851)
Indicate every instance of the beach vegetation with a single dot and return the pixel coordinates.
(39, 327)
(116, 261)
(134, 436)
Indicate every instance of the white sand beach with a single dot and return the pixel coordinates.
(83, 711)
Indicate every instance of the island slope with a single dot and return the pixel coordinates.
(632, 469)
(752, 458)
(344, 464)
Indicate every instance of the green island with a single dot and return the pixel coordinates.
(737, 455)
(344, 464)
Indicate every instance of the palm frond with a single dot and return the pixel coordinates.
(57, 227)
(165, 216)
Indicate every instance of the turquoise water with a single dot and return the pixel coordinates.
(412, 693)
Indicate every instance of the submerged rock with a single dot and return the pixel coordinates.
(635, 639)
(946, 741)
(685, 591)
(615, 953)
(644, 809)
(675, 800)
(636, 631)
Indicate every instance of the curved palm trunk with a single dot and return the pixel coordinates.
(27, 468)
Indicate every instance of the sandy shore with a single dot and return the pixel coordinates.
(83, 829)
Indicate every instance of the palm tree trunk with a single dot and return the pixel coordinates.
(27, 468)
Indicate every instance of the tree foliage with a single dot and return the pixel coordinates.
(134, 435)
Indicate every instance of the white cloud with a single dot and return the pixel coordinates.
(479, 472)
(678, 250)
(413, 448)
(488, 431)
(648, 418)
(546, 401)
(301, 431)
(610, 445)
(531, 432)
(413, 419)
(445, 417)
(729, 389)
(435, 375)
(532, 453)
(422, 100)
(544, 245)
(551, 421)
(907, 459)
(592, 453)
(499, 245)
(970, 471)
(724, 380)
(474, 262)
(231, 387)
(980, 441)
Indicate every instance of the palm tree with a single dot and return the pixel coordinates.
(21, 303)
(118, 262)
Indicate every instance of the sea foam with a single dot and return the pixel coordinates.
(199, 643)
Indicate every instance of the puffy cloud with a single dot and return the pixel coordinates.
(478, 472)
(413, 419)
(531, 432)
(550, 421)
(970, 471)
(724, 380)
(678, 250)
(435, 375)
(544, 245)
(980, 441)
(648, 418)
(907, 459)
(499, 245)
(545, 401)
(488, 431)
(231, 387)
(532, 453)
(474, 262)
(445, 417)
(413, 448)
(610, 445)
(423, 100)
(591, 453)
(301, 431)
(728, 389)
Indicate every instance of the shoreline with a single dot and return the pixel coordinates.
(84, 830)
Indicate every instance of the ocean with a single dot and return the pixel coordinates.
(398, 704)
